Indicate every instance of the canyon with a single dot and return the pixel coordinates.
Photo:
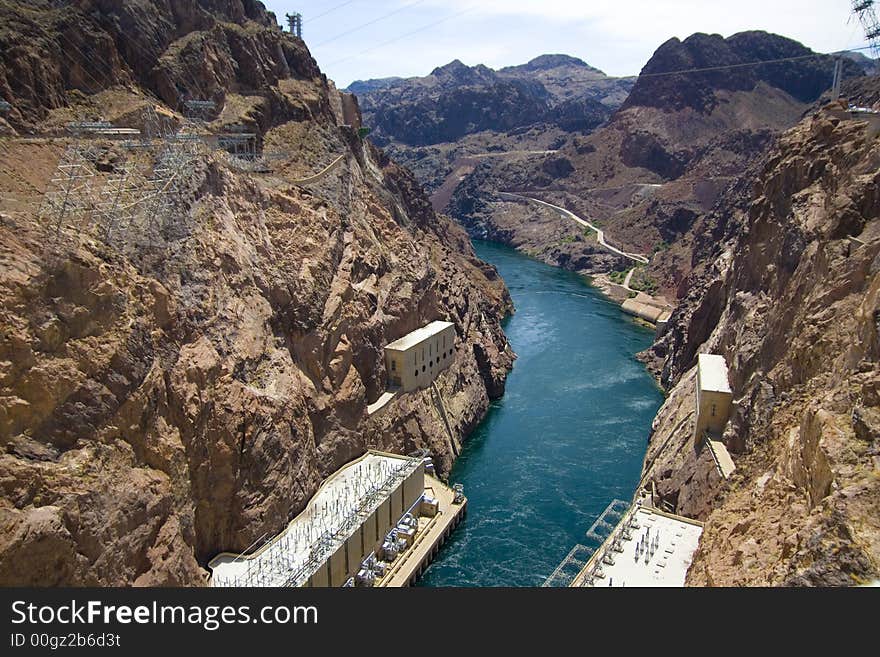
(178, 383)
(183, 389)
(755, 200)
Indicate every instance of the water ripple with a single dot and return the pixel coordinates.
(568, 436)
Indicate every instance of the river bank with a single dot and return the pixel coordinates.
(568, 436)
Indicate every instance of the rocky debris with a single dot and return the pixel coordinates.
(785, 286)
(160, 405)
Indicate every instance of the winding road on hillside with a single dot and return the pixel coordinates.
(463, 167)
(600, 234)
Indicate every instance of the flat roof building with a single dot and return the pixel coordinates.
(648, 548)
(414, 361)
(714, 396)
(345, 522)
(714, 401)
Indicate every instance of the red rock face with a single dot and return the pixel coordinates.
(166, 398)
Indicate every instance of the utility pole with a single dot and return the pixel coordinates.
(295, 21)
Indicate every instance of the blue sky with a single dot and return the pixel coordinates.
(362, 39)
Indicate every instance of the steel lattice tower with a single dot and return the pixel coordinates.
(295, 21)
(865, 11)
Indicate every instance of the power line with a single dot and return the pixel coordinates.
(329, 11)
(372, 22)
(402, 36)
(723, 67)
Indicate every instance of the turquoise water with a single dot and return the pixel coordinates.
(568, 436)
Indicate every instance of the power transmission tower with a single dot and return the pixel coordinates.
(295, 21)
(838, 74)
(69, 195)
(866, 13)
(119, 202)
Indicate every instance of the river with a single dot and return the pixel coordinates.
(568, 436)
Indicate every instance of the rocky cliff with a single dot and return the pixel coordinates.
(785, 286)
(172, 389)
(433, 123)
(456, 100)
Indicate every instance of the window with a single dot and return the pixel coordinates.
(393, 365)
(423, 368)
(416, 374)
(713, 410)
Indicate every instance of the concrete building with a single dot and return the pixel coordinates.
(714, 396)
(415, 360)
(348, 520)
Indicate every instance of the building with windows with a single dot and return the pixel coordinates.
(714, 396)
(415, 360)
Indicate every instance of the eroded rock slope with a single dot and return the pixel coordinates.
(786, 286)
(174, 392)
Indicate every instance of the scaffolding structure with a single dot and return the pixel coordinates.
(132, 206)
(866, 13)
(604, 526)
(299, 551)
(117, 207)
(199, 110)
(69, 195)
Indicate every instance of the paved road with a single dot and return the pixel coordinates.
(600, 235)
(504, 153)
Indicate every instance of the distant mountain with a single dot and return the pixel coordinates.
(567, 78)
(869, 66)
(803, 76)
(664, 158)
(457, 100)
(366, 86)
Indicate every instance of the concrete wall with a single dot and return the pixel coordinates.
(338, 571)
(370, 532)
(397, 507)
(713, 411)
(320, 578)
(648, 312)
(414, 487)
(418, 366)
